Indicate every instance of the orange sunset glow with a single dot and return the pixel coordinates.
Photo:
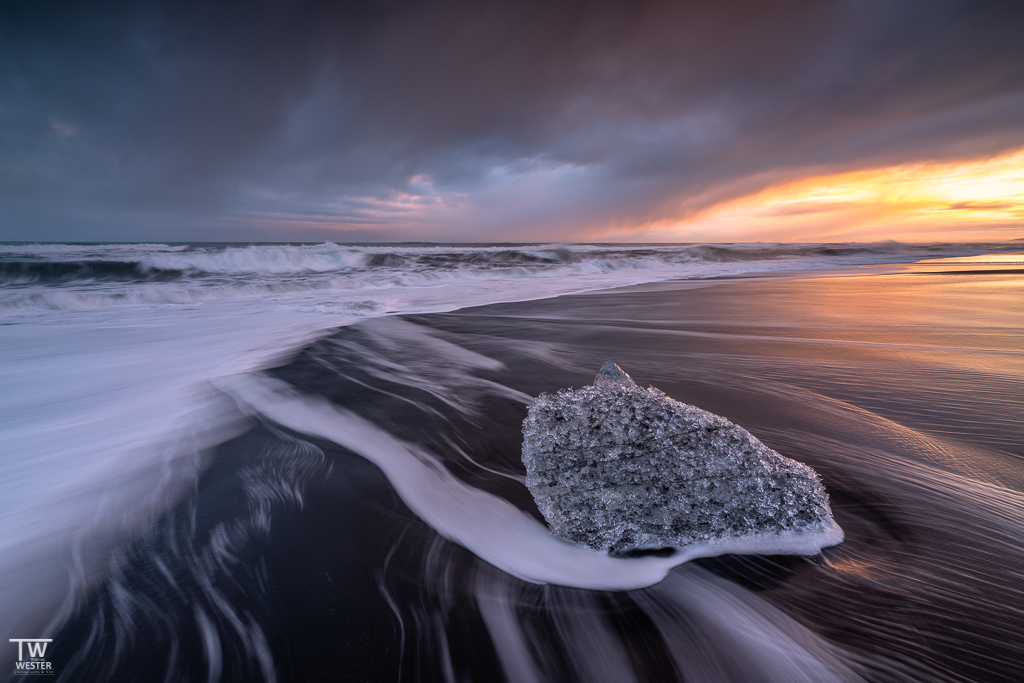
(977, 200)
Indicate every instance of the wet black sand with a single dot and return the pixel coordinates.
(296, 561)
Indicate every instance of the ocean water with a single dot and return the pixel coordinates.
(300, 462)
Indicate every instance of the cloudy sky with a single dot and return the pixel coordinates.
(512, 121)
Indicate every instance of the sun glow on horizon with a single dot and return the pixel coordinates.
(976, 200)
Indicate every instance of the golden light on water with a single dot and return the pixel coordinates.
(963, 201)
(984, 259)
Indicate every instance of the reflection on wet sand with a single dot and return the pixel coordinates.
(902, 390)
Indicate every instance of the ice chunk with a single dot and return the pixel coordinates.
(618, 467)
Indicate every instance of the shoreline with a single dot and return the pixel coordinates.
(900, 391)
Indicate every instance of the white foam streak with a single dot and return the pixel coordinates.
(104, 425)
(712, 629)
(716, 630)
(595, 650)
(509, 640)
(491, 527)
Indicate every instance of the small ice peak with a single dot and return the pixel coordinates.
(611, 373)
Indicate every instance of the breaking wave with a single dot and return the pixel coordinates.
(68, 277)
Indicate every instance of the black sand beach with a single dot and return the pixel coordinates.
(295, 560)
(280, 282)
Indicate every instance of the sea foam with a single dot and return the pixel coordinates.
(492, 528)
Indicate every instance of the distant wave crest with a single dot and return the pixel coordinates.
(62, 277)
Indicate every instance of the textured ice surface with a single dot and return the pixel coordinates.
(617, 467)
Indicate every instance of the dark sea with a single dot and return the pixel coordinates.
(302, 462)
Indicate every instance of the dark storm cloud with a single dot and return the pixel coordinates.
(474, 118)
